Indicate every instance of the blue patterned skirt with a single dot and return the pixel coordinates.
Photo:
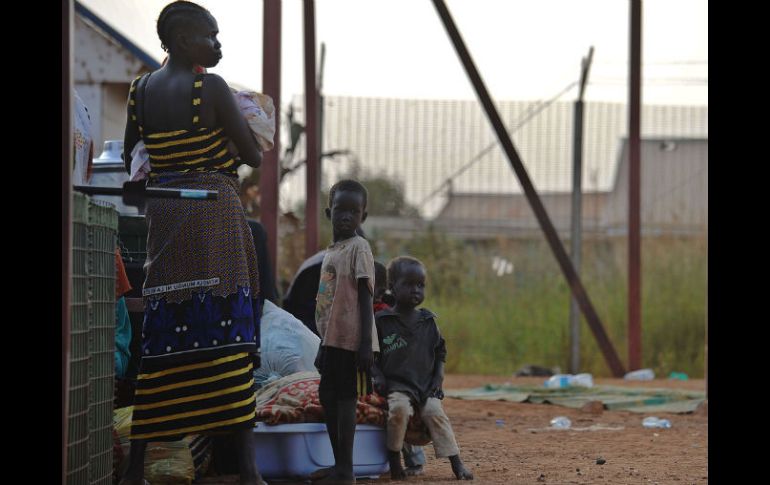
(201, 317)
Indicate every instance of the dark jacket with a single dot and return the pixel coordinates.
(409, 353)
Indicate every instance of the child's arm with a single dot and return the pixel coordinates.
(438, 380)
(364, 357)
(438, 369)
(378, 379)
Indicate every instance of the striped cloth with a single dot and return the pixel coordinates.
(194, 398)
(197, 149)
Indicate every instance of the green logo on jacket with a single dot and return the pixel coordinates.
(393, 342)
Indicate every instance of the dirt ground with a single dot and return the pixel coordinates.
(524, 451)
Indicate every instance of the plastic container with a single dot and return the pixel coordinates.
(655, 422)
(297, 450)
(558, 381)
(561, 422)
(640, 375)
(679, 376)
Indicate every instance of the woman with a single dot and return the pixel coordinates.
(201, 302)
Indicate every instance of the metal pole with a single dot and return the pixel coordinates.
(66, 219)
(319, 91)
(634, 192)
(271, 84)
(534, 200)
(575, 239)
(313, 184)
(577, 211)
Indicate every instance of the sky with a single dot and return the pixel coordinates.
(524, 49)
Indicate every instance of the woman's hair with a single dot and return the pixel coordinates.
(396, 267)
(177, 15)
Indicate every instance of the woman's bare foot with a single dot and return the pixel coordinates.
(459, 469)
(335, 479)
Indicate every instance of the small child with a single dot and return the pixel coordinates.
(414, 457)
(345, 323)
(411, 365)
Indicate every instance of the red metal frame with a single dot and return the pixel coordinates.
(271, 85)
(634, 189)
(313, 181)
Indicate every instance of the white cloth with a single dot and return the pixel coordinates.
(287, 345)
(83, 142)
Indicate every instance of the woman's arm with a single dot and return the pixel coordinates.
(130, 138)
(228, 114)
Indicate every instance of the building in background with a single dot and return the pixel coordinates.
(105, 64)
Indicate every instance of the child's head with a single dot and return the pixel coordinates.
(347, 208)
(380, 281)
(406, 280)
(188, 29)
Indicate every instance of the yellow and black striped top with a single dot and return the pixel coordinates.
(193, 150)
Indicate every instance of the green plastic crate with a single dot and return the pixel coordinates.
(78, 456)
(102, 243)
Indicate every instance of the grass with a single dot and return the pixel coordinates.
(496, 324)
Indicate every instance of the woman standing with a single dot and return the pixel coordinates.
(201, 316)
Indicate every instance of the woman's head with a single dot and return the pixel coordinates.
(187, 29)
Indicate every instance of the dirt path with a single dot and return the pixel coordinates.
(522, 451)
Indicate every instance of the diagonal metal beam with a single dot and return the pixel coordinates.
(573, 280)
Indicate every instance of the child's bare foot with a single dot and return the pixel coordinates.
(413, 471)
(459, 469)
(396, 470)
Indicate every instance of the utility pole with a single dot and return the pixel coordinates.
(577, 209)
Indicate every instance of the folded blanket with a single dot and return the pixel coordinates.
(294, 399)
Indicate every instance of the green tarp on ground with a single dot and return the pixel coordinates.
(638, 400)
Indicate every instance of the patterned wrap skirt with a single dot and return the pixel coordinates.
(201, 314)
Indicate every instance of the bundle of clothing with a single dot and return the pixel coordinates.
(294, 399)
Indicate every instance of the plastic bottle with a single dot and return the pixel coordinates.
(655, 422)
(640, 375)
(559, 381)
(582, 380)
(561, 422)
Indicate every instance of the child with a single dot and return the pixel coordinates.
(412, 365)
(345, 323)
(414, 458)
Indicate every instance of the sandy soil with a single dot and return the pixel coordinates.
(524, 451)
